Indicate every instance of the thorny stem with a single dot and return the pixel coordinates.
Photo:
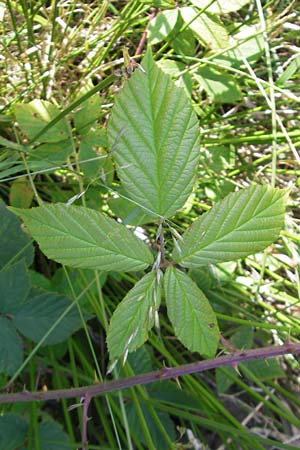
(166, 373)
(86, 403)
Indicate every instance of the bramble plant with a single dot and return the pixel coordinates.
(153, 135)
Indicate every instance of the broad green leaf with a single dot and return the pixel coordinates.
(50, 155)
(241, 224)
(134, 317)
(81, 237)
(94, 161)
(220, 6)
(249, 44)
(52, 437)
(153, 132)
(264, 370)
(174, 68)
(88, 112)
(11, 352)
(14, 243)
(20, 193)
(162, 25)
(13, 431)
(37, 315)
(221, 88)
(14, 287)
(190, 313)
(34, 116)
(208, 28)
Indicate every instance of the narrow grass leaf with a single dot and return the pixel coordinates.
(81, 237)
(191, 315)
(154, 132)
(241, 224)
(134, 317)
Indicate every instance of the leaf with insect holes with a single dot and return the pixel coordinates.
(154, 134)
(190, 313)
(243, 223)
(81, 237)
(134, 317)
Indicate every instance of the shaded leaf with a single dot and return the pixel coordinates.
(156, 434)
(241, 224)
(14, 243)
(50, 155)
(190, 313)
(81, 237)
(14, 287)
(39, 314)
(208, 28)
(155, 139)
(52, 437)
(13, 431)
(11, 352)
(34, 116)
(20, 193)
(134, 317)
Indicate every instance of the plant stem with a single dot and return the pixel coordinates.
(165, 373)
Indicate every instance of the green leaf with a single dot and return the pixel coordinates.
(37, 315)
(20, 193)
(154, 135)
(241, 224)
(264, 370)
(14, 287)
(208, 28)
(88, 112)
(134, 317)
(11, 352)
(51, 437)
(13, 431)
(50, 155)
(94, 161)
(190, 313)
(34, 116)
(221, 88)
(162, 25)
(219, 6)
(14, 243)
(130, 213)
(81, 237)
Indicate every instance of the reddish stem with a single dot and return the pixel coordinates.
(164, 374)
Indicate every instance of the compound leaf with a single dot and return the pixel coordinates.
(134, 317)
(241, 224)
(154, 136)
(190, 313)
(81, 237)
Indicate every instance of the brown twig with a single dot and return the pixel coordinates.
(165, 373)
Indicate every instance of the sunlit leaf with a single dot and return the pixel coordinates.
(154, 136)
(191, 315)
(162, 25)
(81, 237)
(220, 6)
(208, 28)
(34, 116)
(241, 224)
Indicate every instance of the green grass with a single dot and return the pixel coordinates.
(50, 51)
